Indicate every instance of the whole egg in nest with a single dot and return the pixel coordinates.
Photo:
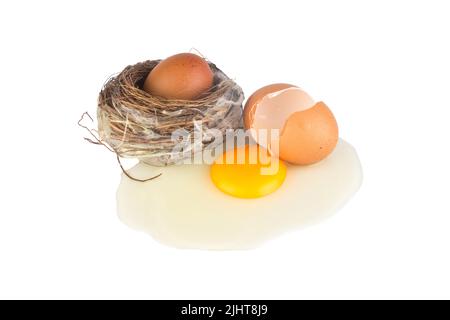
(308, 131)
(153, 109)
(184, 76)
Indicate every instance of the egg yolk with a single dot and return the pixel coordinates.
(248, 172)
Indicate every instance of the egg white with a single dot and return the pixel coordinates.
(184, 209)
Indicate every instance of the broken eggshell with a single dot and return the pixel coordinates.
(307, 132)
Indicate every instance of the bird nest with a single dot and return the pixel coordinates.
(136, 124)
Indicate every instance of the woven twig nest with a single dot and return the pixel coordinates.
(136, 124)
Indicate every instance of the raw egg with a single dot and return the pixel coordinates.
(308, 131)
(185, 209)
(240, 172)
(184, 76)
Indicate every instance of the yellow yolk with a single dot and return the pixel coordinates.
(248, 172)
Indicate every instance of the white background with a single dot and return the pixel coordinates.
(382, 66)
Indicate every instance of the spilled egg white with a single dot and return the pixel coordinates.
(184, 209)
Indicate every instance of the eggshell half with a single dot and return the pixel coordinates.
(256, 97)
(309, 136)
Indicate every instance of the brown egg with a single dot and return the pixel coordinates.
(184, 76)
(308, 131)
